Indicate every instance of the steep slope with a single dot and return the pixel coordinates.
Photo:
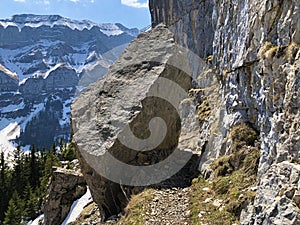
(44, 61)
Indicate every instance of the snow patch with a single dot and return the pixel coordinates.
(37, 221)
(35, 21)
(13, 108)
(65, 120)
(12, 131)
(110, 29)
(77, 207)
(8, 72)
(35, 111)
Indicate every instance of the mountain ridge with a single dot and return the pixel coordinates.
(34, 20)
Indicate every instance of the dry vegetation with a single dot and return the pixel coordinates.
(136, 208)
(221, 200)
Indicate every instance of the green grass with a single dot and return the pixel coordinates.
(234, 175)
(136, 208)
(233, 189)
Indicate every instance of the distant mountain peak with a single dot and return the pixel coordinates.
(31, 20)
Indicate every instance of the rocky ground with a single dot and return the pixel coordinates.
(170, 206)
(167, 206)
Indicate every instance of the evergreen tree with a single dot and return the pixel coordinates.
(27, 191)
(34, 168)
(51, 160)
(17, 181)
(15, 212)
(3, 187)
(32, 204)
(69, 153)
(23, 187)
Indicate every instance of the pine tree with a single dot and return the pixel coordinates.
(51, 160)
(15, 212)
(17, 174)
(32, 204)
(34, 170)
(27, 191)
(3, 187)
(69, 153)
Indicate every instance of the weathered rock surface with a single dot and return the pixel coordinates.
(189, 20)
(256, 59)
(149, 80)
(62, 77)
(66, 186)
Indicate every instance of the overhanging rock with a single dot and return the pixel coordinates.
(132, 127)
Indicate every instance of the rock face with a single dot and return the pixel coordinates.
(189, 20)
(8, 80)
(256, 60)
(62, 77)
(116, 135)
(66, 186)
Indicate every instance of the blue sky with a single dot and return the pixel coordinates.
(131, 13)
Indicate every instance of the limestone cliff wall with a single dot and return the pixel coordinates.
(255, 48)
(189, 20)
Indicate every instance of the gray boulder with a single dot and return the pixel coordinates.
(129, 126)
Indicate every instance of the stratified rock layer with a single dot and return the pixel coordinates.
(189, 20)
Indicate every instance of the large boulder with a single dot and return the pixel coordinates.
(132, 128)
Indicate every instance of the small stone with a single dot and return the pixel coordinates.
(241, 196)
(296, 198)
(187, 213)
(206, 189)
(202, 212)
(156, 199)
(289, 193)
(253, 188)
(207, 200)
(217, 203)
(222, 208)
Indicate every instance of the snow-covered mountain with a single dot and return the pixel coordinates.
(44, 60)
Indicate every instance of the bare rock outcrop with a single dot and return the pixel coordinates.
(66, 186)
(190, 21)
(8, 80)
